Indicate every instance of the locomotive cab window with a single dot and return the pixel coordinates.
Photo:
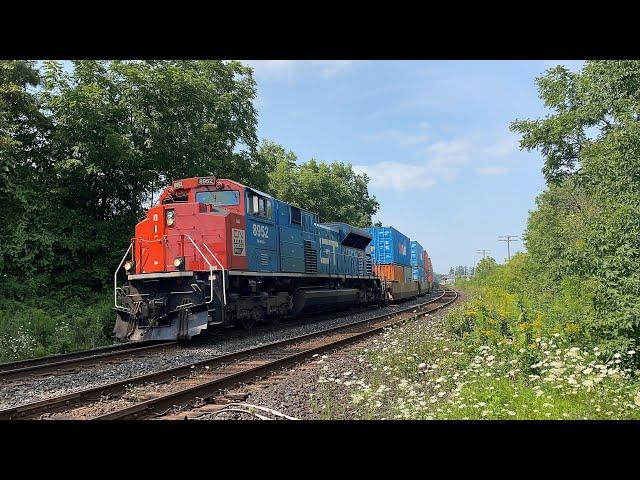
(219, 198)
(258, 205)
(176, 199)
(296, 216)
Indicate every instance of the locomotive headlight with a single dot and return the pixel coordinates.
(128, 266)
(171, 218)
(178, 262)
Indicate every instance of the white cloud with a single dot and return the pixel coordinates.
(443, 160)
(492, 170)
(397, 176)
(400, 137)
(272, 69)
(397, 136)
(501, 148)
(446, 158)
(286, 69)
(330, 68)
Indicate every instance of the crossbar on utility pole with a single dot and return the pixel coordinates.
(508, 239)
(483, 252)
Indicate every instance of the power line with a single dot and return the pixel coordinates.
(508, 239)
(483, 252)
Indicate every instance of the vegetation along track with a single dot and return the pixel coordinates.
(161, 391)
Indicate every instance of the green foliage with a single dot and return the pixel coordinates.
(587, 224)
(58, 324)
(332, 190)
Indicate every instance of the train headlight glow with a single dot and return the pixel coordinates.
(178, 262)
(171, 218)
(128, 266)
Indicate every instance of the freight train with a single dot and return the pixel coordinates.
(213, 253)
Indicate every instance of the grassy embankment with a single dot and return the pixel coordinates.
(509, 351)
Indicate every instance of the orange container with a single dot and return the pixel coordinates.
(391, 272)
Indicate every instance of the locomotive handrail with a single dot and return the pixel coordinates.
(115, 279)
(210, 267)
(224, 287)
(115, 275)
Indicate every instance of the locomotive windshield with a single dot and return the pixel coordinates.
(220, 197)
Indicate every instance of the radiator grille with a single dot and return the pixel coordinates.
(368, 266)
(310, 258)
(264, 259)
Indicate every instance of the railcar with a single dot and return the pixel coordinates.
(213, 253)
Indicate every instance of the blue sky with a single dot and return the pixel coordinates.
(432, 135)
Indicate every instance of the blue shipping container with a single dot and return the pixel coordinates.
(389, 246)
(417, 259)
(418, 274)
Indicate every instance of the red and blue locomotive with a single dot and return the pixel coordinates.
(214, 253)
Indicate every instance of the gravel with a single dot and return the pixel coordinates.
(19, 392)
(294, 392)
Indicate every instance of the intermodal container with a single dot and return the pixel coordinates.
(408, 274)
(418, 274)
(389, 246)
(417, 254)
(426, 261)
(390, 272)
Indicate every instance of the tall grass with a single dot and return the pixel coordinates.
(56, 325)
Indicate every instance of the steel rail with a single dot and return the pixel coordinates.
(149, 408)
(53, 363)
(30, 410)
(67, 356)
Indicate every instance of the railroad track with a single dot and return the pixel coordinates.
(62, 364)
(179, 386)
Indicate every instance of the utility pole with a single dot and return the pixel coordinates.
(508, 239)
(483, 252)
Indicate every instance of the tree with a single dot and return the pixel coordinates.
(118, 132)
(332, 190)
(587, 225)
(24, 165)
(485, 267)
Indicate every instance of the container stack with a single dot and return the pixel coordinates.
(417, 262)
(391, 254)
(428, 268)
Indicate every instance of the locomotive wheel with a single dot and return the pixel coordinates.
(247, 322)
